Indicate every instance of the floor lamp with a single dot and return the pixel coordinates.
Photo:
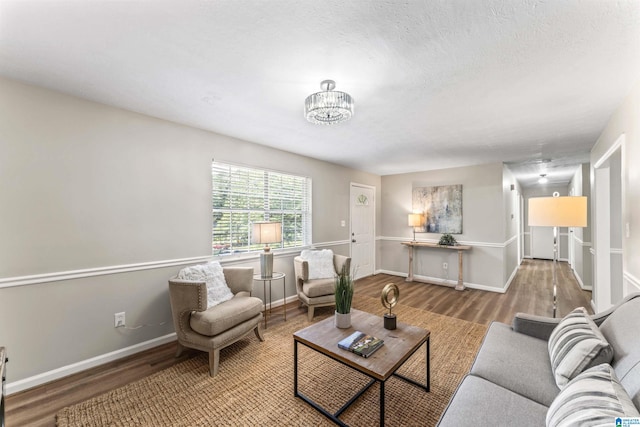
(567, 211)
(266, 232)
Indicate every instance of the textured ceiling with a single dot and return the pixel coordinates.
(437, 84)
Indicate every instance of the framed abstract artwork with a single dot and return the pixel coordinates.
(441, 206)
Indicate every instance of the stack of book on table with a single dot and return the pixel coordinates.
(361, 344)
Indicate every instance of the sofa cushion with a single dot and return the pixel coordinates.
(575, 345)
(593, 398)
(478, 402)
(517, 362)
(212, 274)
(621, 330)
(320, 263)
(225, 316)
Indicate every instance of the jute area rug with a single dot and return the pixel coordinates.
(255, 384)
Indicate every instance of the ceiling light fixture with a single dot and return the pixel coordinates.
(328, 107)
(543, 179)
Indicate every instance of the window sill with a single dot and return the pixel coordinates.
(250, 256)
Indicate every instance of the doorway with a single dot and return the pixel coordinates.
(362, 213)
(608, 205)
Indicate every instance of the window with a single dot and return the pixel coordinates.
(244, 195)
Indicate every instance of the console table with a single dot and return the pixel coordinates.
(459, 248)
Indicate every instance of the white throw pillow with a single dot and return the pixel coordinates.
(576, 344)
(212, 274)
(593, 398)
(320, 263)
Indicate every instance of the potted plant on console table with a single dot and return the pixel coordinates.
(447, 240)
(344, 296)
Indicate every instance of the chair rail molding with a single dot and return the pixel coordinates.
(98, 271)
(57, 276)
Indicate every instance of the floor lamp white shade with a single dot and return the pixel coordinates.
(266, 232)
(566, 211)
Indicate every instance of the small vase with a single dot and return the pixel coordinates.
(343, 320)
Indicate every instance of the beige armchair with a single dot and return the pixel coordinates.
(317, 292)
(221, 325)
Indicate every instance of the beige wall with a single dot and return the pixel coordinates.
(483, 226)
(625, 121)
(101, 201)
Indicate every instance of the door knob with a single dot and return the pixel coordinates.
(353, 240)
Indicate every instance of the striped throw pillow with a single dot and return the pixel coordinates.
(593, 398)
(575, 345)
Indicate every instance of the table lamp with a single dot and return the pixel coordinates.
(415, 220)
(266, 232)
(566, 211)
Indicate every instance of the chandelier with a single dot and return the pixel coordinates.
(328, 107)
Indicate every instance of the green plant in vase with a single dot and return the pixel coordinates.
(344, 291)
(344, 295)
(447, 240)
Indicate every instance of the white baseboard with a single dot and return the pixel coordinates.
(443, 282)
(281, 302)
(83, 365)
(55, 374)
(513, 275)
(580, 283)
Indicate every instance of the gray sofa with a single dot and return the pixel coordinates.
(511, 380)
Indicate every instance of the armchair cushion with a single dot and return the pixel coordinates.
(211, 273)
(320, 263)
(319, 287)
(225, 316)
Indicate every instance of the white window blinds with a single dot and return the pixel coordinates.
(244, 195)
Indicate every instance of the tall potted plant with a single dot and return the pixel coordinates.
(344, 296)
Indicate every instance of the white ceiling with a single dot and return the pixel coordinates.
(437, 84)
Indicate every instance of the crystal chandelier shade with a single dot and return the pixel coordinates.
(328, 107)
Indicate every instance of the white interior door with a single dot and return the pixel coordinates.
(542, 242)
(363, 210)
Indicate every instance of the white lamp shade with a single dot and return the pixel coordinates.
(266, 232)
(416, 220)
(568, 211)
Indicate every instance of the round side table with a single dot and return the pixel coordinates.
(275, 276)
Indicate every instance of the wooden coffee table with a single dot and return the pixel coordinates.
(399, 345)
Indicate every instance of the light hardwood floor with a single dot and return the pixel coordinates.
(530, 292)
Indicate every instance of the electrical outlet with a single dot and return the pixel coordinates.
(445, 265)
(119, 320)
